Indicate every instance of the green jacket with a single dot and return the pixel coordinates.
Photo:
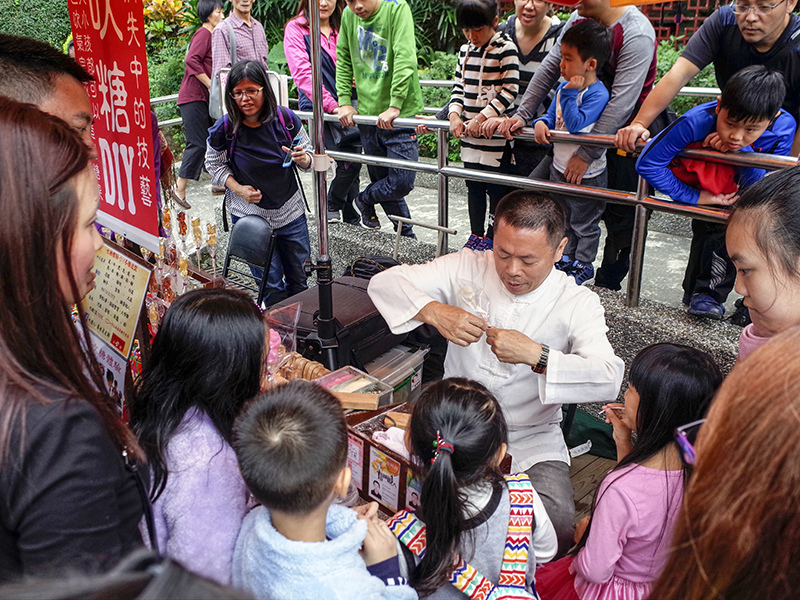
(380, 55)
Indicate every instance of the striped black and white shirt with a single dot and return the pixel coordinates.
(487, 81)
(528, 63)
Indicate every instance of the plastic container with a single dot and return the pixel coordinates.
(400, 368)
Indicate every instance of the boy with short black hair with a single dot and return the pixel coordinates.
(291, 444)
(579, 102)
(377, 51)
(747, 117)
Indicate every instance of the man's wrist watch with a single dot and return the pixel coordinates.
(541, 366)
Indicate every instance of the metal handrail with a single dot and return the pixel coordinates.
(641, 200)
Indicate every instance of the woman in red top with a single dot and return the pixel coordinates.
(193, 98)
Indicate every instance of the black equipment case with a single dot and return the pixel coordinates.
(361, 331)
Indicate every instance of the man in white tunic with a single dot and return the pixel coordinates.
(522, 328)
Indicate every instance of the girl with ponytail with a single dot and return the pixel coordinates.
(457, 436)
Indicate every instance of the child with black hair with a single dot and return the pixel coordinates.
(291, 444)
(486, 85)
(579, 102)
(623, 546)
(474, 530)
(747, 117)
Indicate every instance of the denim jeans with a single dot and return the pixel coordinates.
(389, 186)
(345, 185)
(286, 276)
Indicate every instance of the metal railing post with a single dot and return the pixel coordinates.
(637, 247)
(442, 154)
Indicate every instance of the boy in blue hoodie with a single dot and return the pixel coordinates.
(579, 102)
(747, 117)
(291, 444)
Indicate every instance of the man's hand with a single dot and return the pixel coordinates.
(709, 199)
(345, 114)
(714, 141)
(576, 82)
(509, 127)
(421, 128)
(454, 323)
(387, 117)
(490, 125)
(541, 132)
(576, 168)
(380, 543)
(627, 137)
(456, 125)
(511, 346)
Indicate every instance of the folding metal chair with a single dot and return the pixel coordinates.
(252, 242)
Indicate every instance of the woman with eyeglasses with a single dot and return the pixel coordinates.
(248, 152)
(623, 546)
(763, 241)
(738, 531)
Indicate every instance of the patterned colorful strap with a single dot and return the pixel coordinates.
(511, 586)
(514, 570)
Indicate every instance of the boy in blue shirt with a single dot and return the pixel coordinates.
(291, 445)
(746, 118)
(579, 102)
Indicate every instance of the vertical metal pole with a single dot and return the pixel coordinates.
(637, 248)
(326, 325)
(442, 152)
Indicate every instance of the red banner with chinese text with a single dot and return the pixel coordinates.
(109, 44)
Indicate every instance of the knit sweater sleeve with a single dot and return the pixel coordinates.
(344, 60)
(405, 55)
(205, 502)
(299, 63)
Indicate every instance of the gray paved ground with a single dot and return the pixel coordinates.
(660, 317)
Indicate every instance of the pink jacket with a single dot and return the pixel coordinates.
(294, 46)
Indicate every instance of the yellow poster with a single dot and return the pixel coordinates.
(112, 307)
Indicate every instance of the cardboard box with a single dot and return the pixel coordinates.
(379, 473)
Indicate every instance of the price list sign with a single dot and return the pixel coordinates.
(112, 308)
(109, 44)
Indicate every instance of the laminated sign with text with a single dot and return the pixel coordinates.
(109, 44)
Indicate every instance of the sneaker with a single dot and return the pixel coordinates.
(485, 244)
(741, 316)
(334, 216)
(472, 242)
(703, 305)
(564, 264)
(409, 236)
(582, 272)
(369, 220)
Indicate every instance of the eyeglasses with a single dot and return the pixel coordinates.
(685, 437)
(239, 94)
(761, 9)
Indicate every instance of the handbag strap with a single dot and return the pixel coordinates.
(147, 507)
(294, 166)
(232, 38)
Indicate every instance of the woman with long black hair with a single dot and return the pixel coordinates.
(68, 486)
(206, 363)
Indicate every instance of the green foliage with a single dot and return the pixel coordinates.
(667, 54)
(435, 27)
(443, 66)
(45, 20)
